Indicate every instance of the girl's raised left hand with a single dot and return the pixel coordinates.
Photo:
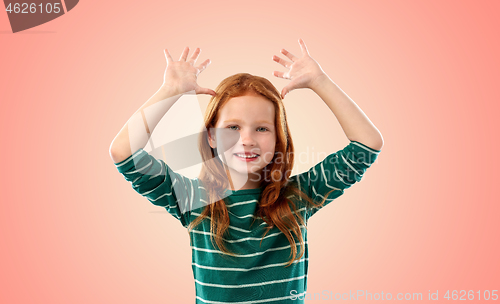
(303, 71)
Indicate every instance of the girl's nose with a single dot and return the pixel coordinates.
(247, 138)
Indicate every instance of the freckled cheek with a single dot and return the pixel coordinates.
(269, 154)
(227, 141)
(269, 146)
(269, 157)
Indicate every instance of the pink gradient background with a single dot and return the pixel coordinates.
(425, 216)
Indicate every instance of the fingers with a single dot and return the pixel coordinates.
(204, 65)
(167, 56)
(284, 63)
(184, 54)
(303, 46)
(191, 60)
(289, 55)
(281, 74)
(195, 55)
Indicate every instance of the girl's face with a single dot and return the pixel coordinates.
(245, 127)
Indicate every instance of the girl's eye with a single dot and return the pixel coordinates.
(261, 128)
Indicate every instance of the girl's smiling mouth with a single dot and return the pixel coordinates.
(247, 156)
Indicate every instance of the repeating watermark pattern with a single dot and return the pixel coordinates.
(26, 15)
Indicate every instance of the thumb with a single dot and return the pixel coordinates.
(200, 90)
(284, 92)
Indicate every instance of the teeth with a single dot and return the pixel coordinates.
(245, 156)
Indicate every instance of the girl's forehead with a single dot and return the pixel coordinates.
(247, 108)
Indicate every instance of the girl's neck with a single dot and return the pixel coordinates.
(238, 181)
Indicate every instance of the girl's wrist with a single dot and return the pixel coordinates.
(169, 90)
(319, 81)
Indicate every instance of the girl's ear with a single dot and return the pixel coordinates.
(211, 140)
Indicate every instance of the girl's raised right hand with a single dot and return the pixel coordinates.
(181, 75)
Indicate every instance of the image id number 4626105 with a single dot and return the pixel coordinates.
(32, 8)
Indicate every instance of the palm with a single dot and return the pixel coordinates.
(300, 73)
(182, 75)
(185, 74)
(303, 71)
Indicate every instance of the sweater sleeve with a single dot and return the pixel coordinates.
(153, 179)
(337, 172)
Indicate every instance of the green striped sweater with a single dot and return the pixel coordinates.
(257, 274)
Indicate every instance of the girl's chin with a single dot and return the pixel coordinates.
(243, 170)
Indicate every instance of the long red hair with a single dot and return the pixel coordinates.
(274, 206)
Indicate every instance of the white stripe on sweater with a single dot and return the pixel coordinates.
(250, 285)
(245, 255)
(256, 301)
(247, 269)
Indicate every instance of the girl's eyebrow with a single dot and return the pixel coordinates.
(239, 121)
